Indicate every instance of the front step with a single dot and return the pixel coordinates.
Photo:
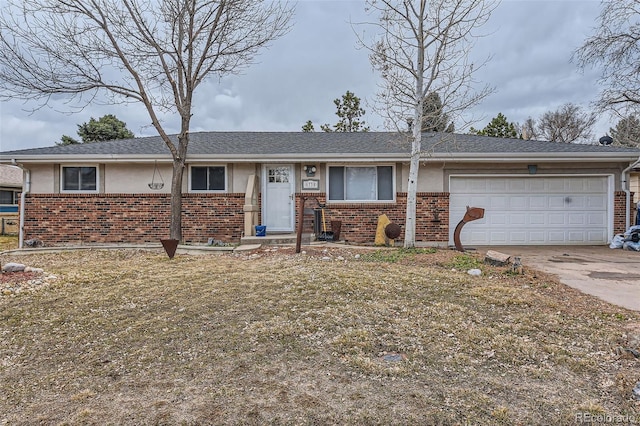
(276, 239)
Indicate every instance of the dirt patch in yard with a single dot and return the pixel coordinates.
(332, 336)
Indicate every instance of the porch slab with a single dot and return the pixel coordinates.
(247, 247)
(275, 239)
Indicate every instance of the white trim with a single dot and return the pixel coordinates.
(79, 191)
(342, 164)
(540, 157)
(611, 197)
(206, 191)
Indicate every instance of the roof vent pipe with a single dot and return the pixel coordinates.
(606, 140)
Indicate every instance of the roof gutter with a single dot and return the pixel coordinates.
(625, 187)
(328, 157)
(26, 188)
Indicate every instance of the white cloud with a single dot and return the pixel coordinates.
(297, 78)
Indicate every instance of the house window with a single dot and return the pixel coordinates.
(8, 197)
(361, 183)
(80, 178)
(210, 178)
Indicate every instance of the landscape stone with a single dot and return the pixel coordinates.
(496, 258)
(13, 267)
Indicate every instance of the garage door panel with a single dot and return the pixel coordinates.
(532, 210)
(577, 219)
(537, 219)
(518, 203)
(596, 235)
(538, 202)
(496, 186)
(496, 219)
(518, 237)
(537, 237)
(516, 185)
(535, 185)
(497, 202)
(555, 186)
(596, 185)
(596, 218)
(556, 219)
(595, 202)
(556, 237)
(517, 219)
(556, 202)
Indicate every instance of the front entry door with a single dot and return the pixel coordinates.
(278, 206)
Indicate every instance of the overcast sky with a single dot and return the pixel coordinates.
(300, 75)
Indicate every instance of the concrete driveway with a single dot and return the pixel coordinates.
(610, 274)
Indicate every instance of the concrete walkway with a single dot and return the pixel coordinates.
(612, 275)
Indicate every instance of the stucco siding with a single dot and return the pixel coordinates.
(635, 186)
(135, 178)
(238, 175)
(43, 178)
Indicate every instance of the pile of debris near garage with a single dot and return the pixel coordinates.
(630, 240)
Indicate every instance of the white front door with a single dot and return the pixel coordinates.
(278, 204)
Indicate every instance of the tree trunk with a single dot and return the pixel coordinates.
(416, 140)
(175, 229)
(412, 189)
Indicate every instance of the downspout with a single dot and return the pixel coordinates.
(23, 196)
(625, 187)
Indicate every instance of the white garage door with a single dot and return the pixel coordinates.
(531, 210)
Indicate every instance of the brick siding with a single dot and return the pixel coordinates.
(59, 219)
(618, 213)
(360, 220)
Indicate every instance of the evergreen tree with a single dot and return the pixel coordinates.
(626, 132)
(106, 128)
(350, 113)
(498, 127)
(434, 119)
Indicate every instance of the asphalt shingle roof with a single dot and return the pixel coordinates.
(260, 143)
(10, 176)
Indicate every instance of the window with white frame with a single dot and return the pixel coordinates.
(8, 196)
(208, 178)
(80, 178)
(361, 183)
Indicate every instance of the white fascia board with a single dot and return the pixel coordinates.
(111, 158)
(296, 158)
(348, 157)
(535, 157)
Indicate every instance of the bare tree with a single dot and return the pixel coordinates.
(568, 124)
(156, 52)
(423, 47)
(528, 129)
(615, 48)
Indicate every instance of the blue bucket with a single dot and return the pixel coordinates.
(261, 231)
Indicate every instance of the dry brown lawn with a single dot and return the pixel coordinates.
(271, 337)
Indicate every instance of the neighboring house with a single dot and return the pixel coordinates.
(10, 188)
(635, 184)
(532, 192)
